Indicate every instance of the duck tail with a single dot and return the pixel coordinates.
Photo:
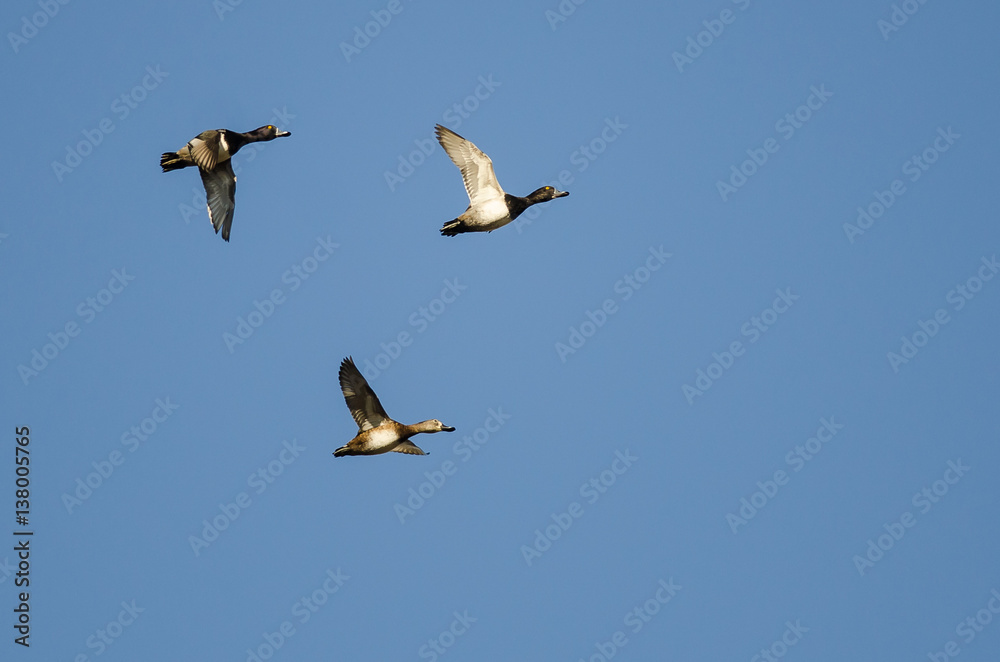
(173, 161)
(451, 228)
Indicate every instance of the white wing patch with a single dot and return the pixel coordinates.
(477, 169)
(203, 154)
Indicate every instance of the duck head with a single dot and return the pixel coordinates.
(545, 194)
(269, 132)
(434, 425)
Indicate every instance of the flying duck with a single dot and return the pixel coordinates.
(377, 433)
(211, 151)
(489, 206)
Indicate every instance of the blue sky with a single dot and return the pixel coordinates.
(733, 398)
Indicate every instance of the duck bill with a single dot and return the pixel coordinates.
(445, 428)
(560, 194)
(282, 134)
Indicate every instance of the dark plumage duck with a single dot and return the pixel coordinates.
(377, 433)
(489, 206)
(211, 151)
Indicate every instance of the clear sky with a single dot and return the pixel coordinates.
(735, 396)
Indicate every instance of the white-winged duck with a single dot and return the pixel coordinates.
(377, 433)
(211, 151)
(489, 206)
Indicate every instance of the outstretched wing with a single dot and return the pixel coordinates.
(477, 169)
(361, 399)
(220, 193)
(409, 448)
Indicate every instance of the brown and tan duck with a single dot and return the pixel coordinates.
(377, 433)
